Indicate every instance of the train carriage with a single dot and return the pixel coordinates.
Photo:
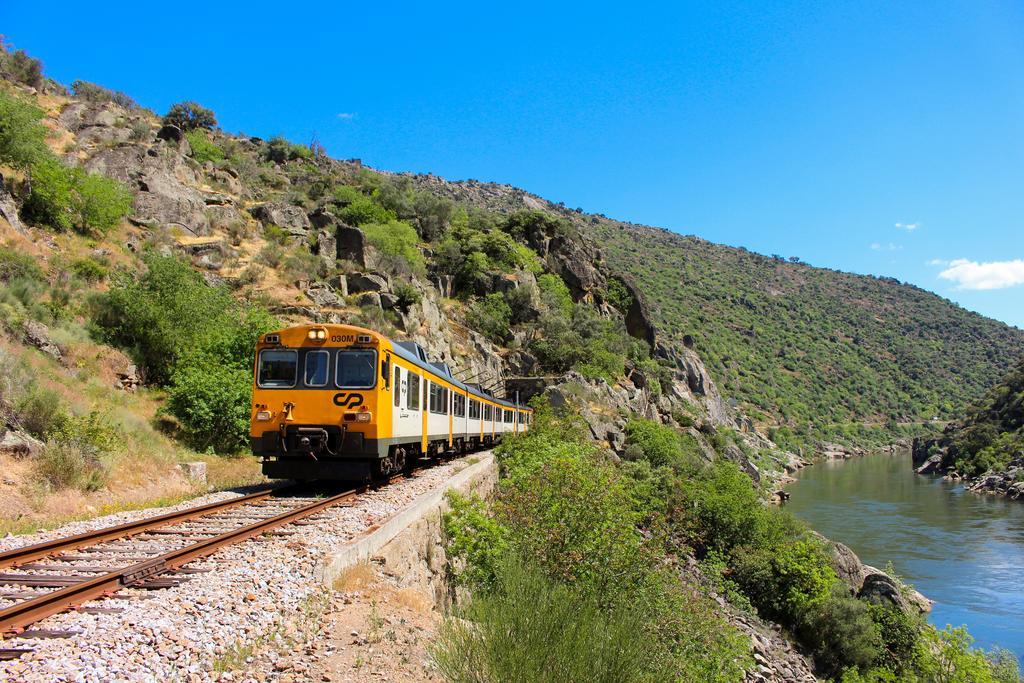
(344, 402)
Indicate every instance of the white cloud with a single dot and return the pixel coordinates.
(909, 227)
(938, 262)
(346, 115)
(876, 246)
(991, 275)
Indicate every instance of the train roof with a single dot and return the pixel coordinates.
(414, 353)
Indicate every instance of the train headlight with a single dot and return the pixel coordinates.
(318, 334)
(264, 415)
(361, 416)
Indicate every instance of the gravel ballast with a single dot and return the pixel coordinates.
(178, 634)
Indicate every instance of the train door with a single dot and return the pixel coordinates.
(405, 424)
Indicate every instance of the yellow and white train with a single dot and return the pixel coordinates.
(343, 402)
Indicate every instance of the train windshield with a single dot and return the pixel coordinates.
(318, 364)
(357, 369)
(278, 368)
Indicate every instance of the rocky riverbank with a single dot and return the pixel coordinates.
(933, 457)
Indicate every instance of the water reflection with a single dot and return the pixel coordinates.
(964, 551)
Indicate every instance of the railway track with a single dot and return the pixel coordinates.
(40, 580)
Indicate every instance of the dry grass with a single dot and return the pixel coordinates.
(356, 578)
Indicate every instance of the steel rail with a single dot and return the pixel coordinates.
(38, 551)
(15, 618)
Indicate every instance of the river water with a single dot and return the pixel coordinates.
(963, 550)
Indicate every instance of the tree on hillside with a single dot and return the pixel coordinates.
(17, 66)
(190, 116)
(22, 136)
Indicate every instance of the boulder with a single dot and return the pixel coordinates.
(847, 565)
(167, 196)
(170, 133)
(339, 283)
(184, 209)
(367, 282)
(369, 299)
(194, 471)
(325, 245)
(933, 465)
(388, 301)
(322, 219)
(228, 180)
(9, 210)
(20, 444)
(324, 296)
(880, 588)
(350, 244)
(286, 216)
(38, 335)
(129, 379)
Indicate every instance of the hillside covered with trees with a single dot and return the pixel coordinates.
(810, 350)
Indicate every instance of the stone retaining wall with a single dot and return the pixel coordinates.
(408, 548)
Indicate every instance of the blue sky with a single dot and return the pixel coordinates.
(880, 138)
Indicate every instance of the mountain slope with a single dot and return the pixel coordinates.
(804, 345)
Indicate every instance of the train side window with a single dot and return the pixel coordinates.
(412, 395)
(279, 368)
(434, 398)
(318, 365)
(460, 405)
(397, 386)
(474, 409)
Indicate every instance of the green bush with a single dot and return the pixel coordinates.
(840, 632)
(659, 444)
(555, 293)
(395, 238)
(190, 116)
(93, 431)
(20, 67)
(475, 536)
(573, 517)
(568, 521)
(408, 295)
(493, 316)
(40, 412)
(70, 465)
(719, 509)
(212, 404)
(203, 148)
(90, 92)
(100, 203)
(530, 628)
(89, 269)
(279, 151)
(17, 265)
(51, 199)
(787, 580)
(196, 338)
(362, 211)
(22, 136)
(618, 295)
(68, 198)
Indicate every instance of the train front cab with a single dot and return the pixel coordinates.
(316, 396)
